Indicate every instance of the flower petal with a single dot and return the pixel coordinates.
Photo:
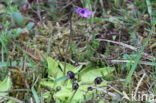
(84, 12)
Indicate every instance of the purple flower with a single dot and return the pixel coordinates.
(84, 12)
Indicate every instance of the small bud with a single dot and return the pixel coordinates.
(71, 75)
(98, 80)
(75, 86)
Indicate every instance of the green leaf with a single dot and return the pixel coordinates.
(52, 67)
(47, 97)
(36, 97)
(89, 74)
(18, 18)
(30, 25)
(61, 78)
(5, 85)
(78, 96)
(47, 83)
(63, 94)
(66, 93)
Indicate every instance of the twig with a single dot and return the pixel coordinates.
(102, 90)
(129, 47)
(119, 43)
(13, 99)
(132, 61)
(139, 83)
(80, 63)
(38, 11)
(115, 90)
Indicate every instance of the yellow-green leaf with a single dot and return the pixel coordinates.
(88, 75)
(52, 67)
(5, 85)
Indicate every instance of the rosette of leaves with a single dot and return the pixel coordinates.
(58, 86)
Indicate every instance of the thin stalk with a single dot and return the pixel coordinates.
(2, 52)
(70, 37)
